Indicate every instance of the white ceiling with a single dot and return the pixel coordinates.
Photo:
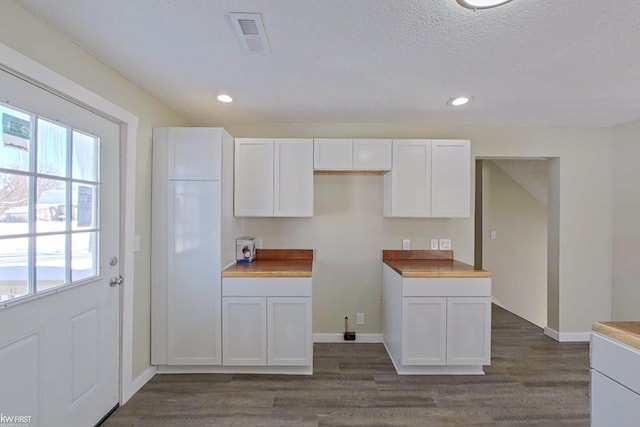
(543, 62)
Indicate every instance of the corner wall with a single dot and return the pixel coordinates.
(517, 258)
(626, 222)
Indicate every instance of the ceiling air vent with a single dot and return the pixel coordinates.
(250, 31)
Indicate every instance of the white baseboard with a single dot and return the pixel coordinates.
(496, 302)
(360, 338)
(567, 336)
(138, 383)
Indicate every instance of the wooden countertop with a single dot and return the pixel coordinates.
(626, 332)
(427, 263)
(274, 263)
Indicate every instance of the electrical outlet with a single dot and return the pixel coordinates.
(406, 244)
(360, 318)
(445, 244)
(258, 242)
(434, 244)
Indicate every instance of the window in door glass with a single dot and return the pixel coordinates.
(49, 221)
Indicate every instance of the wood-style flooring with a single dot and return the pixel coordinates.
(532, 381)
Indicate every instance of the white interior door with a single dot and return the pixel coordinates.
(59, 229)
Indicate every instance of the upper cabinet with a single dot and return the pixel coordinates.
(273, 177)
(190, 153)
(429, 178)
(352, 154)
(450, 178)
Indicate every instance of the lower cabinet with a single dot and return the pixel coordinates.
(446, 330)
(267, 330)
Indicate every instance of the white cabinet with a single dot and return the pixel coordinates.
(244, 331)
(450, 178)
(191, 175)
(372, 154)
(615, 382)
(253, 177)
(468, 330)
(273, 177)
(429, 178)
(407, 188)
(293, 177)
(423, 345)
(352, 154)
(267, 322)
(436, 325)
(332, 154)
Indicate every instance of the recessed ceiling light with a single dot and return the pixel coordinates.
(456, 102)
(481, 4)
(225, 98)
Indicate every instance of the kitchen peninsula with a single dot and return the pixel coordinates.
(437, 313)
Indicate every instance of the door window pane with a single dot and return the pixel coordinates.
(50, 261)
(50, 205)
(84, 254)
(15, 139)
(85, 157)
(52, 148)
(14, 204)
(14, 268)
(84, 203)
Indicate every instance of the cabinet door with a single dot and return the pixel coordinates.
(253, 177)
(293, 177)
(289, 339)
(424, 330)
(244, 331)
(332, 154)
(193, 283)
(194, 153)
(450, 178)
(409, 182)
(611, 403)
(372, 154)
(469, 331)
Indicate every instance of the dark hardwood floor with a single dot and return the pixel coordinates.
(532, 381)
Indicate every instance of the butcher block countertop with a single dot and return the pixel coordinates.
(626, 332)
(428, 263)
(274, 263)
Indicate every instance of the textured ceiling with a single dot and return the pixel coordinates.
(543, 62)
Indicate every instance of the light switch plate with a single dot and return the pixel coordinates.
(406, 244)
(445, 244)
(493, 235)
(434, 244)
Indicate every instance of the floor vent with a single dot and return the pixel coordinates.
(250, 31)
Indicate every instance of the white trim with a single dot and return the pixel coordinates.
(143, 378)
(360, 338)
(219, 369)
(567, 336)
(18, 63)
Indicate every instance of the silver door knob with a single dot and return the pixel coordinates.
(116, 280)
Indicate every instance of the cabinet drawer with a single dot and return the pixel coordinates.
(612, 404)
(266, 286)
(447, 287)
(618, 361)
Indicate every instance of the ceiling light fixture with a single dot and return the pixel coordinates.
(225, 98)
(457, 102)
(481, 4)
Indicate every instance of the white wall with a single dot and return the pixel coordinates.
(32, 37)
(517, 258)
(626, 222)
(584, 249)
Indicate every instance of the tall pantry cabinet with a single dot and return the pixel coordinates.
(193, 232)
